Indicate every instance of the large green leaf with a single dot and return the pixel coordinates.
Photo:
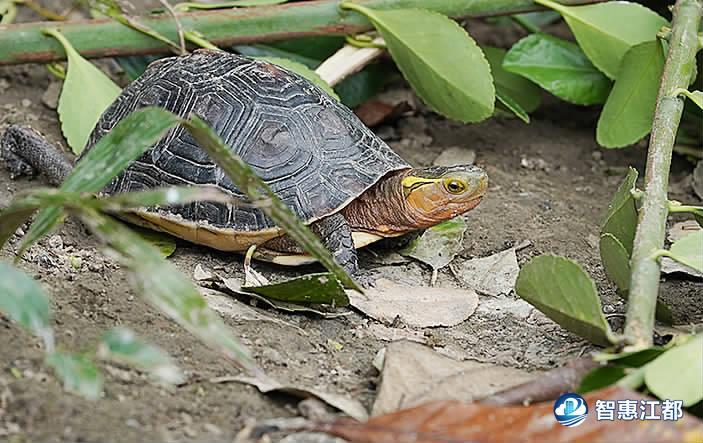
(323, 288)
(621, 217)
(606, 31)
(442, 63)
(629, 111)
(78, 373)
(560, 67)
(564, 292)
(164, 286)
(122, 345)
(304, 71)
(511, 88)
(86, 93)
(616, 262)
(688, 250)
(24, 301)
(259, 193)
(134, 135)
(678, 373)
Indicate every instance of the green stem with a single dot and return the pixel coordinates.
(197, 39)
(679, 208)
(526, 24)
(651, 230)
(358, 43)
(24, 43)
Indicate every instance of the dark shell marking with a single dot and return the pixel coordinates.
(311, 150)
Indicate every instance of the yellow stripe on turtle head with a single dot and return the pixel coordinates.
(411, 182)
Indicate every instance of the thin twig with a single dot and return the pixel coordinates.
(651, 230)
(179, 27)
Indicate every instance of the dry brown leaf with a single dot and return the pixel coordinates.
(266, 385)
(492, 275)
(457, 422)
(375, 112)
(418, 306)
(414, 374)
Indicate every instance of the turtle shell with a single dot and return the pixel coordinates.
(313, 152)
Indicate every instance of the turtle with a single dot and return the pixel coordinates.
(312, 151)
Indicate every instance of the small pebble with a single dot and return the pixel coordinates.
(26, 103)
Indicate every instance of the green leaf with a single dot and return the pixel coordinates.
(164, 243)
(560, 67)
(629, 111)
(304, 71)
(600, 378)
(321, 288)
(13, 217)
(438, 245)
(362, 86)
(515, 92)
(688, 250)
(442, 63)
(564, 292)
(121, 345)
(24, 301)
(621, 218)
(311, 51)
(161, 284)
(130, 138)
(86, 93)
(246, 180)
(616, 262)
(606, 31)
(695, 96)
(676, 374)
(135, 65)
(78, 373)
(632, 359)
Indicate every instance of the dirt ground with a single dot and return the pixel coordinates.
(550, 184)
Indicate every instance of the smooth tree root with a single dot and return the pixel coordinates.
(651, 229)
(25, 43)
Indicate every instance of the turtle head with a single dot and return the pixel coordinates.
(440, 193)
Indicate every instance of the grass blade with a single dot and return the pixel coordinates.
(246, 180)
(122, 345)
(134, 135)
(78, 373)
(166, 288)
(24, 301)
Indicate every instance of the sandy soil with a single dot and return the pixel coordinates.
(556, 202)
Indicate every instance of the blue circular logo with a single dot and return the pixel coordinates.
(570, 409)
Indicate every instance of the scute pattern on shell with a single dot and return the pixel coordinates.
(311, 150)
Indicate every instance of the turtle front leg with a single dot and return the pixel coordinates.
(26, 152)
(336, 235)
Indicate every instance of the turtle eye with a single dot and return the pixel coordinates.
(454, 186)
